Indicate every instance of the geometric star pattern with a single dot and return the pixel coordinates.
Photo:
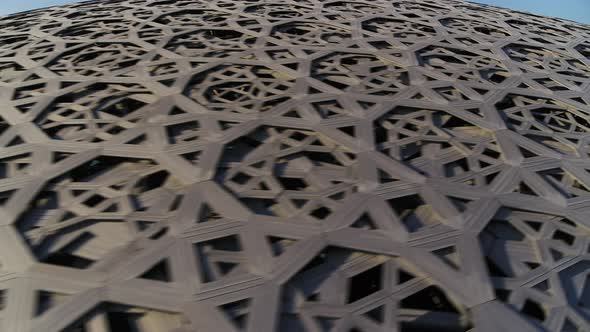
(312, 165)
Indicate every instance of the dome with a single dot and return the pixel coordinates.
(276, 165)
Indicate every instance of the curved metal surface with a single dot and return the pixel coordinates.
(293, 166)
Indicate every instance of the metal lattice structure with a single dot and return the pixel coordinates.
(274, 165)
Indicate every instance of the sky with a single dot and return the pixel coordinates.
(575, 10)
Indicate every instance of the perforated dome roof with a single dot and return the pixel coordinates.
(265, 165)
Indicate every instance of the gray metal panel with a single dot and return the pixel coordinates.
(290, 166)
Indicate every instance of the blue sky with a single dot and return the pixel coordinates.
(576, 10)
